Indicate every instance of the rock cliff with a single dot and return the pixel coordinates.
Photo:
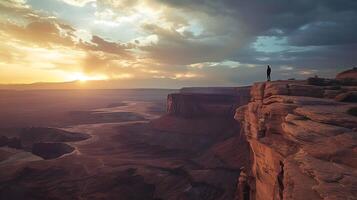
(200, 124)
(303, 141)
(198, 102)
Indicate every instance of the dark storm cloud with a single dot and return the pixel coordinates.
(339, 31)
(262, 15)
(323, 30)
(175, 48)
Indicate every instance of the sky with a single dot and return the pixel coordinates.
(174, 43)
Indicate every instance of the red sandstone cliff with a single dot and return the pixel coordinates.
(303, 141)
(302, 136)
(199, 102)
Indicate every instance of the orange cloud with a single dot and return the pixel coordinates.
(34, 42)
(42, 33)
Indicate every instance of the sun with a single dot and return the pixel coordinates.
(81, 77)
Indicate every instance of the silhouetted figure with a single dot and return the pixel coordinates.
(268, 73)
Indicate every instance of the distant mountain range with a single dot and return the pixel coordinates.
(47, 85)
(102, 84)
(113, 84)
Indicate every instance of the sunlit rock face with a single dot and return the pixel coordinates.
(198, 102)
(303, 141)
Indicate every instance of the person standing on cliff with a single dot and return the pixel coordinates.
(268, 73)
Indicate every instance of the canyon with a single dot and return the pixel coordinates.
(122, 145)
(302, 135)
(285, 139)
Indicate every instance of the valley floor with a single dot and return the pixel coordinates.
(138, 158)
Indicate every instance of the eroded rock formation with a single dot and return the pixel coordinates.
(47, 143)
(198, 102)
(303, 141)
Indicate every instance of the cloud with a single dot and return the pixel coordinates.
(49, 44)
(79, 3)
(322, 28)
(325, 33)
(51, 34)
(202, 42)
(43, 33)
(174, 47)
(99, 44)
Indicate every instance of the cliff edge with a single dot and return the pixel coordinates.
(207, 102)
(303, 140)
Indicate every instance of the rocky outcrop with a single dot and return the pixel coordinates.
(303, 144)
(346, 78)
(199, 102)
(47, 143)
(348, 74)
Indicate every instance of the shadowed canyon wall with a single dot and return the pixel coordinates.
(205, 118)
(203, 102)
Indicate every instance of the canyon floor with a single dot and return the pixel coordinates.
(125, 149)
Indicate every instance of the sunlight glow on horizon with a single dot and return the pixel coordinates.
(78, 76)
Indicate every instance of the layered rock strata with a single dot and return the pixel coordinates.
(203, 102)
(303, 142)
